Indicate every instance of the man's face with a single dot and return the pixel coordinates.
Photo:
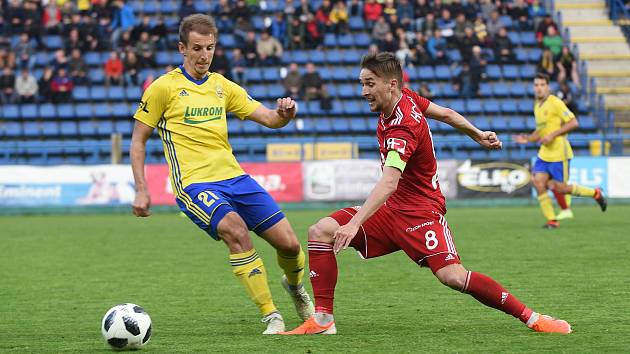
(377, 91)
(198, 53)
(541, 88)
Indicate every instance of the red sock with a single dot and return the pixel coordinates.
(323, 273)
(492, 294)
(562, 201)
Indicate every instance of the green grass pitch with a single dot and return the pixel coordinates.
(59, 274)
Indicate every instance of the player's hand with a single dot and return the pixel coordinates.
(141, 204)
(547, 139)
(520, 138)
(287, 108)
(343, 236)
(489, 140)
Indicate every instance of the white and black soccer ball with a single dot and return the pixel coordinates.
(126, 326)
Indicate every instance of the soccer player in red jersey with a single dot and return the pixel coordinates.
(405, 210)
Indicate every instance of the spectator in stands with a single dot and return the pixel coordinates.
(493, 24)
(403, 54)
(446, 24)
(114, 69)
(487, 7)
(15, 17)
(249, 49)
(123, 20)
(503, 47)
(278, 29)
(543, 28)
(292, 82)
(480, 29)
(33, 22)
(52, 18)
(125, 42)
(7, 86)
(269, 49)
(241, 29)
(159, 34)
(26, 87)
(61, 87)
(355, 8)
(103, 31)
(436, 46)
(241, 11)
(465, 82)
(553, 41)
(418, 54)
(478, 64)
(239, 67)
(380, 29)
(537, 12)
(145, 50)
(372, 11)
(429, 25)
(186, 8)
(221, 64)
(564, 93)
(131, 68)
(74, 42)
(567, 67)
(405, 14)
(7, 56)
(339, 17)
(467, 43)
(389, 10)
(460, 26)
(223, 16)
(313, 87)
(519, 12)
(389, 44)
(78, 68)
(303, 10)
(59, 60)
(314, 37)
(322, 16)
(25, 52)
(547, 64)
(392, 20)
(148, 81)
(143, 26)
(421, 9)
(45, 85)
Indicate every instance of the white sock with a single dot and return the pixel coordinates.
(532, 319)
(323, 319)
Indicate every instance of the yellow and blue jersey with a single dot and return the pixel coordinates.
(190, 116)
(550, 115)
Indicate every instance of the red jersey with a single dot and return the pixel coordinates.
(407, 131)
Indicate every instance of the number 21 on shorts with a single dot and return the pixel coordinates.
(208, 198)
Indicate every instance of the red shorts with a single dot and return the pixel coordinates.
(423, 235)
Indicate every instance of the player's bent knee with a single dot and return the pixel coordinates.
(319, 232)
(453, 276)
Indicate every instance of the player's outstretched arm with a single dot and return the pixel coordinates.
(526, 138)
(564, 129)
(487, 139)
(275, 118)
(379, 194)
(137, 154)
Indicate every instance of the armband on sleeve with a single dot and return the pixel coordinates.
(393, 160)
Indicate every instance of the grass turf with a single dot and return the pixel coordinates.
(59, 274)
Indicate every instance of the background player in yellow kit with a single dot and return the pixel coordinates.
(551, 169)
(188, 106)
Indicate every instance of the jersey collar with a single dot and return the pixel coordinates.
(190, 78)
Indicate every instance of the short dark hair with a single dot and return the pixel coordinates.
(200, 23)
(384, 65)
(542, 76)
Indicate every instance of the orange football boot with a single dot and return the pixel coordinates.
(549, 324)
(311, 326)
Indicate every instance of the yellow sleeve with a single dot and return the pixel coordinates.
(238, 101)
(153, 103)
(563, 111)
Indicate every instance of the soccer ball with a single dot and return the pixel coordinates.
(126, 326)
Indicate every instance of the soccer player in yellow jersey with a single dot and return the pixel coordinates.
(551, 169)
(188, 106)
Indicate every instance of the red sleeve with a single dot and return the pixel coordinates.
(401, 139)
(422, 102)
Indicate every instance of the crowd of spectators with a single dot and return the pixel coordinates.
(420, 32)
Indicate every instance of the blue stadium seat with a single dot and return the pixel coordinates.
(443, 72)
(337, 108)
(528, 71)
(29, 111)
(449, 91)
(150, 7)
(104, 127)
(12, 129)
(518, 89)
(485, 89)
(31, 129)
(50, 129)
(323, 126)
(98, 93)
(97, 76)
(87, 128)
(517, 123)
(318, 57)
(227, 40)
(457, 106)
(494, 72)
(454, 55)
(351, 57)
(515, 38)
(314, 107)
(168, 7)
(334, 56)
(275, 90)
(116, 93)
(234, 126)
(346, 91)
(300, 57)
(506, 21)
(534, 55)
(163, 58)
(356, 23)
(330, 40)
(528, 38)
(102, 110)
(81, 93)
(341, 125)
(345, 40)
(500, 89)
(352, 107)
(93, 59)
(359, 125)
(68, 129)
(340, 73)
(362, 40)
(325, 73)
(521, 55)
(121, 110)
(258, 22)
(473, 106)
(270, 73)
(83, 111)
(47, 111)
(250, 127)
(499, 124)
(491, 106)
(587, 123)
(509, 106)
(123, 127)
(133, 93)
(202, 6)
(510, 72)
(65, 111)
(526, 105)
(253, 74)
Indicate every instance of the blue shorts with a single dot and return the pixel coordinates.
(559, 171)
(207, 203)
